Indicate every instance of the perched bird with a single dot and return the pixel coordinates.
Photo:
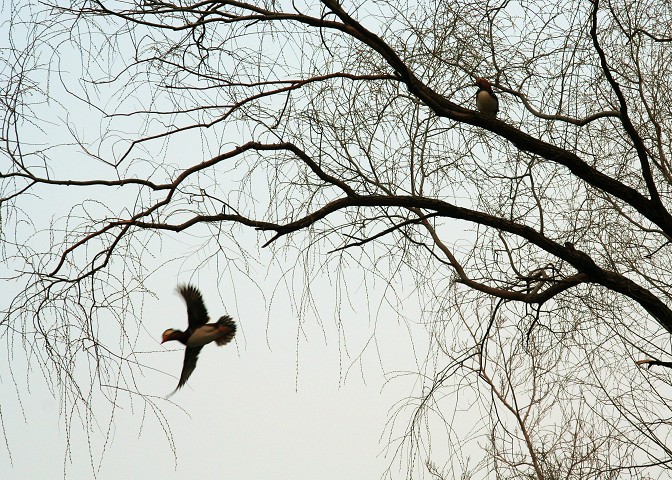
(199, 333)
(486, 100)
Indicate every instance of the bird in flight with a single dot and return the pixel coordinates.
(199, 332)
(486, 100)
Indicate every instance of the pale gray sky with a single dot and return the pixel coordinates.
(250, 414)
(295, 396)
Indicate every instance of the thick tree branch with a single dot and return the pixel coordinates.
(649, 208)
(579, 260)
(588, 270)
(649, 362)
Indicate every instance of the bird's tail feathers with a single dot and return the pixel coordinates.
(226, 322)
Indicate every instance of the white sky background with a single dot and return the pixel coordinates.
(285, 400)
(302, 393)
(248, 418)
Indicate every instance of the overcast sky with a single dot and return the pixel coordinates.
(298, 394)
(282, 401)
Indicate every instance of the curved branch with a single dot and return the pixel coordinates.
(625, 117)
(588, 270)
(579, 122)
(533, 297)
(649, 362)
(651, 209)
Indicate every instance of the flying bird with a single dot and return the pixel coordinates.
(486, 100)
(199, 333)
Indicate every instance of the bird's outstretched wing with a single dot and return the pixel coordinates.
(190, 359)
(197, 314)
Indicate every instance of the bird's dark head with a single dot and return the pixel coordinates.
(168, 335)
(483, 83)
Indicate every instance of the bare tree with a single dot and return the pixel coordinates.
(538, 241)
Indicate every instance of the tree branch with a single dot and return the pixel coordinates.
(625, 117)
